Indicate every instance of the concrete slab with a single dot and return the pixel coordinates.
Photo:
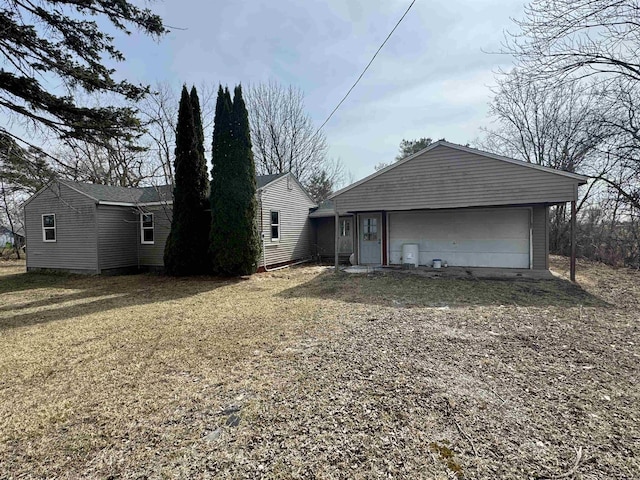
(456, 272)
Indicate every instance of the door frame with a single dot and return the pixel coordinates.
(380, 234)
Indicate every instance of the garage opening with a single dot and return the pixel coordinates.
(498, 237)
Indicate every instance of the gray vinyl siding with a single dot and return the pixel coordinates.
(153, 255)
(76, 245)
(540, 237)
(286, 196)
(449, 178)
(117, 237)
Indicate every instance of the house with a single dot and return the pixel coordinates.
(8, 237)
(457, 204)
(449, 202)
(88, 228)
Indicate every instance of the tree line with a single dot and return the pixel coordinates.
(572, 102)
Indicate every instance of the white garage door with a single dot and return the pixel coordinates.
(469, 238)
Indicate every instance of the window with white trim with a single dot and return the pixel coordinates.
(49, 227)
(275, 225)
(146, 228)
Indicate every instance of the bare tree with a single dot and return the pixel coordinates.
(283, 135)
(558, 126)
(159, 114)
(327, 180)
(591, 44)
(110, 164)
(561, 39)
(555, 126)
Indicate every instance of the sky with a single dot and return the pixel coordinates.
(432, 79)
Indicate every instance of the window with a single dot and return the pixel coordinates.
(370, 230)
(146, 228)
(49, 227)
(275, 225)
(345, 228)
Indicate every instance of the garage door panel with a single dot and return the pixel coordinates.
(480, 238)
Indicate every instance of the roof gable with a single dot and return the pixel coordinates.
(289, 176)
(442, 143)
(450, 176)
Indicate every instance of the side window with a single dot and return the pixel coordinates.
(49, 227)
(275, 225)
(146, 228)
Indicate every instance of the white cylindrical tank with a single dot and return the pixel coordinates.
(410, 254)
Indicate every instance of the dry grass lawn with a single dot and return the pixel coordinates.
(304, 374)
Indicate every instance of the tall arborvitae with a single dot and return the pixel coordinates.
(250, 248)
(184, 251)
(201, 167)
(201, 235)
(235, 239)
(220, 191)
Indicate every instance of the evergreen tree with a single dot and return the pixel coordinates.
(201, 167)
(185, 250)
(235, 239)
(52, 49)
(218, 192)
(201, 185)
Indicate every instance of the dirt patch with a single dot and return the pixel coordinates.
(298, 374)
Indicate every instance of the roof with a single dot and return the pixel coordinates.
(264, 180)
(325, 209)
(141, 195)
(580, 178)
(133, 195)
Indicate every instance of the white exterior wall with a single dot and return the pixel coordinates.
(469, 238)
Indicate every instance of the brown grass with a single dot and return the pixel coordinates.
(329, 376)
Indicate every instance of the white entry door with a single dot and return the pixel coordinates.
(370, 239)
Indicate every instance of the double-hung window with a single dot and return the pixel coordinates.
(146, 228)
(49, 227)
(275, 225)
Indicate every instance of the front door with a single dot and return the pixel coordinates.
(370, 239)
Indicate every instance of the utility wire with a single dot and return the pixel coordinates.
(366, 68)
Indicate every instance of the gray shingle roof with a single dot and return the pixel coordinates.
(138, 195)
(263, 180)
(325, 209)
(110, 193)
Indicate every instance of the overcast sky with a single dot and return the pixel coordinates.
(431, 79)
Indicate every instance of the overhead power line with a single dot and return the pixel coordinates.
(367, 67)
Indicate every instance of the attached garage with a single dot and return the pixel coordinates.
(464, 206)
(470, 237)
